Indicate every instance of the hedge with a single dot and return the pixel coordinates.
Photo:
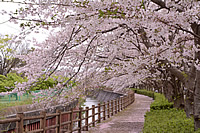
(144, 92)
(160, 102)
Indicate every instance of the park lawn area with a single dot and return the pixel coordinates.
(5, 105)
(163, 118)
(168, 121)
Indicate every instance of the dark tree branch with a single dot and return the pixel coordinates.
(163, 5)
(160, 3)
(175, 71)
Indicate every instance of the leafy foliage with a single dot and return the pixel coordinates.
(5, 50)
(50, 82)
(8, 82)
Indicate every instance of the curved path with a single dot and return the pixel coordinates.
(130, 120)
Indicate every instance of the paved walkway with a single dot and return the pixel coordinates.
(130, 120)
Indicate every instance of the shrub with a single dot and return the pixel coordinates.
(167, 121)
(144, 92)
(160, 102)
(7, 83)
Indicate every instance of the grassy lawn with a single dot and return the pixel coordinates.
(168, 121)
(163, 118)
(5, 105)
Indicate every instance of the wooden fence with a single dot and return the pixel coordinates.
(79, 119)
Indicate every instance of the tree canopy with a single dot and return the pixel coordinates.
(151, 43)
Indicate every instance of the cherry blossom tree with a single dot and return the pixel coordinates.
(7, 52)
(116, 44)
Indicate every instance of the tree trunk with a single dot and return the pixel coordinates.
(196, 29)
(168, 91)
(179, 101)
(177, 93)
(189, 103)
(190, 85)
(197, 101)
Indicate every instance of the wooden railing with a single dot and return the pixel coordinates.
(78, 119)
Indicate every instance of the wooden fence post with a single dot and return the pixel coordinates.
(86, 116)
(115, 106)
(118, 105)
(112, 107)
(133, 97)
(71, 119)
(93, 115)
(20, 124)
(121, 98)
(128, 100)
(80, 120)
(104, 111)
(99, 113)
(108, 109)
(58, 121)
(125, 102)
(43, 121)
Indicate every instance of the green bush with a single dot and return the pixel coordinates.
(160, 102)
(144, 92)
(50, 82)
(167, 121)
(7, 83)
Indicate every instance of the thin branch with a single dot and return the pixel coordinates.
(112, 29)
(62, 53)
(26, 3)
(81, 62)
(5, 21)
(179, 28)
(79, 68)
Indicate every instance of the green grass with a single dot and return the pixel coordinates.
(168, 121)
(3, 105)
(163, 118)
(12, 98)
